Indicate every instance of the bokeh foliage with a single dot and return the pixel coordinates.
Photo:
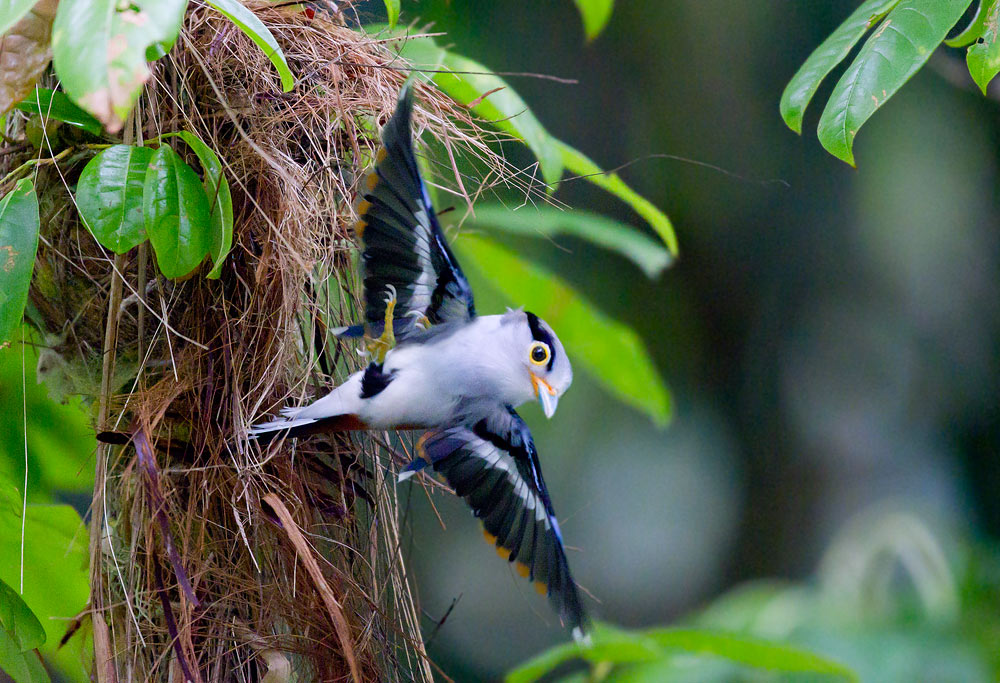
(58, 450)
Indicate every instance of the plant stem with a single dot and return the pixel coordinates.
(104, 663)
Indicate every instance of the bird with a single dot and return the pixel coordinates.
(449, 372)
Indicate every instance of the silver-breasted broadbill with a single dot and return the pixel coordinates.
(457, 376)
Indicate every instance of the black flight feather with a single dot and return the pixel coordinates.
(403, 243)
(494, 466)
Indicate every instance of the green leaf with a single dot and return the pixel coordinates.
(11, 12)
(976, 26)
(219, 198)
(578, 163)
(54, 105)
(176, 213)
(617, 646)
(609, 644)
(470, 83)
(748, 651)
(18, 243)
(60, 437)
(609, 350)
(22, 667)
(831, 52)
(983, 58)
(392, 9)
(26, 53)
(56, 556)
(547, 221)
(901, 44)
(18, 621)
(109, 196)
(596, 14)
(99, 50)
(254, 28)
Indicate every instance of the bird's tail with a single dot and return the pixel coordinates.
(335, 412)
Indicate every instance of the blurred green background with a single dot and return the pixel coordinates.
(830, 337)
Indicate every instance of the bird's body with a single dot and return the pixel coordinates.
(455, 375)
(464, 367)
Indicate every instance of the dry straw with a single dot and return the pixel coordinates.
(214, 560)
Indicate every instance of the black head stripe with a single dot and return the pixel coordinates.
(538, 333)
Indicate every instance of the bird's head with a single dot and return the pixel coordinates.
(546, 366)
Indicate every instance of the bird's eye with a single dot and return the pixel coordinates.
(539, 353)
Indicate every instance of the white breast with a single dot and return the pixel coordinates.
(458, 377)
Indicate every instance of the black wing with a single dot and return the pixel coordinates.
(403, 243)
(494, 466)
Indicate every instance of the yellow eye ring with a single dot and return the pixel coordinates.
(539, 353)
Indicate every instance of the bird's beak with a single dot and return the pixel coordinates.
(546, 395)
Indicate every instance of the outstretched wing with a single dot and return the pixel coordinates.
(494, 466)
(403, 243)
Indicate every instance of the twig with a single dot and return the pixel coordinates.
(309, 561)
(144, 451)
(168, 615)
(104, 662)
(406, 69)
(14, 149)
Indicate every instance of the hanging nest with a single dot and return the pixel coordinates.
(213, 559)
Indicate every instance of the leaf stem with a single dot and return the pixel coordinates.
(31, 163)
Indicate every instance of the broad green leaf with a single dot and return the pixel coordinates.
(983, 58)
(254, 28)
(578, 163)
(219, 199)
(18, 243)
(596, 14)
(99, 50)
(18, 621)
(392, 10)
(11, 12)
(22, 667)
(976, 26)
(176, 213)
(471, 83)
(52, 104)
(56, 586)
(748, 651)
(57, 456)
(547, 221)
(109, 196)
(609, 644)
(620, 647)
(901, 44)
(831, 52)
(25, 53)
(610, 351)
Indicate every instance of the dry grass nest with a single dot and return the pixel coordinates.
(212, 559)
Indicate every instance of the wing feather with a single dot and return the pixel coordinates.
(494, 466)
(403, 243)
